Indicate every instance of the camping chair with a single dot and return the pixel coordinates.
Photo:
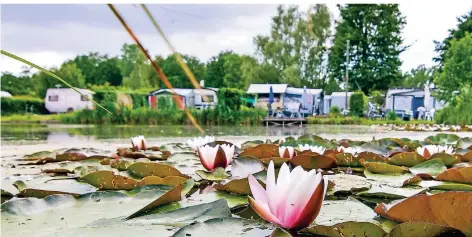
(294, 109)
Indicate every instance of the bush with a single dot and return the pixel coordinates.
(334, 111)
(231, 98)
(457, 113)
(357, 103)
(391, 115)
(18, 104)
(378, 98)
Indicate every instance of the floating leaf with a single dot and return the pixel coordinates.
(384, 168)
(391, 192)
(347, 184)
(313, 162)
(227, 227)
(394, 180)
(441, 185)
(278, 161)
(259, 153)
(121, 164)
(442, 139)
(107, 180)
(421, 229)
(169, 181)
(242, 167)
(406, 159)
(459, 175)
(237, 186)
(172, 195)
(59, 186)
(447, 159)
(217, 174)
(347, 229)
(431, 167)
(144, 169)
(452, 209)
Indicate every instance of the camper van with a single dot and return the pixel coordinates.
(62, 100)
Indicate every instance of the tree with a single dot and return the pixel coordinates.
(108, 71)
(374, 33)
(464, 26)
(139, 77)
(130, 55)
(16, 85)
(418, 77)
(215, 71)
(456, 73)
(88, 64)
(296, 46)
(68, 71)
(176, 74)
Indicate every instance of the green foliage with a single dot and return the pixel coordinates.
(374, 54)
(357, 103)
(458, 113)
(21, 105)
(417, 77)
(230, 98)
(457, 68)
(297, 45)
(378, 98)
(21, 85)
(176, 74)
(464, 26)
(334, 111)
(391, 115)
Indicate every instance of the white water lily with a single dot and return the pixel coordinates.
(286, 151)
(138, 143)
(199, 141)
(218, 156)
(294, 201)
(429, 150)
(318, 149)
(351, 150)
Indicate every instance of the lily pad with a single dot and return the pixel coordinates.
(237, 186)
(172, 195)
(431, 167)
(384, 168)
(391, 192)
(459, 175)
(394, 180)
(447, 159)
(347, 184)
(422, 229)
(242, 167)
(446, 186)
(144, 169)
(313, 162)
(465, 143)
(442, 139)
(345, 218)
(408, 159)
(50, 187)
(451, 209)
(278, 161)
(218, 174)
(107, 180)
(227, 227)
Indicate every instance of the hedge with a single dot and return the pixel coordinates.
(357, 103)
(18, 104)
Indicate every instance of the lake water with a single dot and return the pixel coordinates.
(20, 139)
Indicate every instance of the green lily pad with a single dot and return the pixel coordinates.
(121, 164)
(278, 161)
(242, 167)
(173, 195)
(422, 229)
(59, 186)
(384, 168)
(40, 155)
(251, 144)
(186, 162)
(347, 159)
(345, 218)
(347, 184)
(394, 180)
(313, 162)
(144, 169)
(217, 174)
(408, 159)
(431, 167)
(391, 192)
(465, 143)
(442, 139)
(447, 159)
(227, 227)
(441, 185)
(237, 186)
(107, 180)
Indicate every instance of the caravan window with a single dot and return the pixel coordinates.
(53, 98)
(83, 98)
(208, 98)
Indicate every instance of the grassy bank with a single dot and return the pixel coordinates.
(31, 118)
(361, 121)
(123, 115)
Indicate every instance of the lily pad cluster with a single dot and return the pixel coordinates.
(424, 127)
(388, 187)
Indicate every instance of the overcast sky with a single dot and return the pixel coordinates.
(50, 34)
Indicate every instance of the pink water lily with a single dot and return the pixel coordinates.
(286, 151)
(218, 156)
(196, 142)
(318, 149)
(294, 201)
(429, 150)
(138, 143)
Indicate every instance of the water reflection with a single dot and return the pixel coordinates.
(56, 132)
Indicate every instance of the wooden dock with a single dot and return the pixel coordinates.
(284, 121)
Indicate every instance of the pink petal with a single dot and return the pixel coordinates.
(271, 189)
(263, 211)
(312, 208)
(257, 190)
